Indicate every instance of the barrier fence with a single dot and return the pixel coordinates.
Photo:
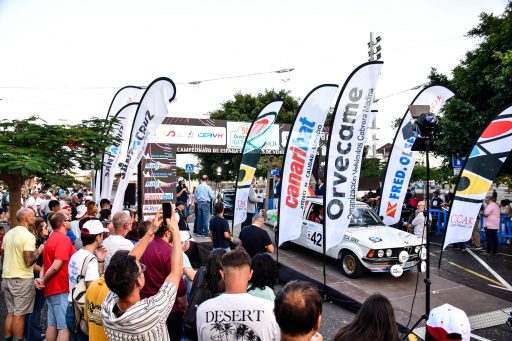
(440, 220)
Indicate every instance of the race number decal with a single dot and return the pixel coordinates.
(314, 236)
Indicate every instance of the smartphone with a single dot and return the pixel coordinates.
(166, 210)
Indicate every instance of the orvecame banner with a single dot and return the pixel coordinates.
(482, 165)
(401, 159)
(150, 114)
(352, 116)
(254, 143)
(299, 159)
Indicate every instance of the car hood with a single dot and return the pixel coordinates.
(382, 237)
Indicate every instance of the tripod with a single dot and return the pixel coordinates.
(423, 144)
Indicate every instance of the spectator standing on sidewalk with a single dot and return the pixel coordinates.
(92, 255)
(375, 320)
(54, 278)
(255, 239)
(298, 311)
(219, 228)
(33, 329)
(125, 315)
(252, 201)
(19, 256)
(116, 241)
(235, 310)
(182, 194)
(158, 257)
(491, 225)
(203, 197)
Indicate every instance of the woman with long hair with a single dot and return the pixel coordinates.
(207, 284)
(374, 321)
(264, 277)
(92, 209)
(33, 329)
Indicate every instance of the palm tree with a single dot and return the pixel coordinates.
(240, 331)
(252, 336)
(227, 330)
(217, 326)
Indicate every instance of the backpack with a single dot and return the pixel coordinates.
(5, 199)
(78, 297)
(199, 294)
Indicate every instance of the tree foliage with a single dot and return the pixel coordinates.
(31, 148)
(482, 83)
(245, 107)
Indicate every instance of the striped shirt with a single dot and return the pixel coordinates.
(145, 320)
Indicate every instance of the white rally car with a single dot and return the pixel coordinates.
(367, 244)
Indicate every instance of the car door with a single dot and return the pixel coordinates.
(312, 228)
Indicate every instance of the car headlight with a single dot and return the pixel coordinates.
(380, 253)
(417, 249)
(389, 252)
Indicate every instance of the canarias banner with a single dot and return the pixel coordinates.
(299, 159)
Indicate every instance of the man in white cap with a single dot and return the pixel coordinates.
(447, 322)
(92, 256)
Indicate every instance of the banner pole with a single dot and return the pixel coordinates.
(140, 182)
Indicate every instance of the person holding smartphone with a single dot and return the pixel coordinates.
(182, 194)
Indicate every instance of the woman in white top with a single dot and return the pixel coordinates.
(417, 225)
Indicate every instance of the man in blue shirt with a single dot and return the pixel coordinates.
(203, 197)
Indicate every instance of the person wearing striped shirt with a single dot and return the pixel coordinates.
(125, 315)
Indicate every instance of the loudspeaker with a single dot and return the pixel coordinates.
(129, 195)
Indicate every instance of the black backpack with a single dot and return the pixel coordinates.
(199, 294)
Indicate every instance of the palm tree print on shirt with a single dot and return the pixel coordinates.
(226, 331)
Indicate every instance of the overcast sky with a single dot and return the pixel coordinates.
(64, 59)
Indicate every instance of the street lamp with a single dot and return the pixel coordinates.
(219, 172)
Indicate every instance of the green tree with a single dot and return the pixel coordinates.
(31, 148)
(482, 83)
(245, 107)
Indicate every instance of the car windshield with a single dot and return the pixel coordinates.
(364, 217)
(228, 198)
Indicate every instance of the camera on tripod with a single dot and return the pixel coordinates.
(425, 122)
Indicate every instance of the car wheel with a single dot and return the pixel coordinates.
(350, 265)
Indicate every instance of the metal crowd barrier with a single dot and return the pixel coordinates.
(440, 220)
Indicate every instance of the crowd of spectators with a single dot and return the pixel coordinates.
(107, 276)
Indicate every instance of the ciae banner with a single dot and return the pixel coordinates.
(352, 116)
(123, 96)
(482, 165)
(150, 114)
(300, 153)
(122, 130)
(401, 159)
(254, 143)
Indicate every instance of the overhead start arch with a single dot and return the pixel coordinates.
(177, 135)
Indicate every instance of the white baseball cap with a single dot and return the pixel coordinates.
(180, 179)
(93, 226)
(80, 211)
(447, 319)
